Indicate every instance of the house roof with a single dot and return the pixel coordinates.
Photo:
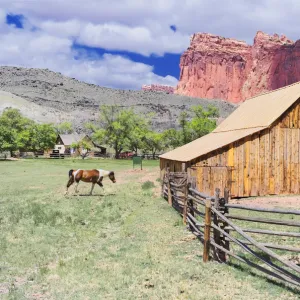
(69, 139)
(253, 115)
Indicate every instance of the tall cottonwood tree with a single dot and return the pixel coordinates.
(119, 128)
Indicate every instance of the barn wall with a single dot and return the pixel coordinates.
(265, 163)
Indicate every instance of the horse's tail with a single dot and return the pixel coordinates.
(71, 173)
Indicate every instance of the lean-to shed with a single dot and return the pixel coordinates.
(255, 151)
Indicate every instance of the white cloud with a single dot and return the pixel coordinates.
(137, 39)
(239, 19)
(41, 50)
(132, 25)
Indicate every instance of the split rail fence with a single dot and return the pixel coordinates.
(211, 220)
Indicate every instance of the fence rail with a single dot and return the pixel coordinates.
(210, 219)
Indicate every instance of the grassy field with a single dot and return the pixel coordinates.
(126, 243)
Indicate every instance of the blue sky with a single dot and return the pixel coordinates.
(168, 64)
(127, 43)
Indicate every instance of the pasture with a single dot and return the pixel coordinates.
(125, 243)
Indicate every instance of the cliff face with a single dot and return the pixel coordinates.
(214, 67)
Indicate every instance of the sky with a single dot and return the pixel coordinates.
(127, 43)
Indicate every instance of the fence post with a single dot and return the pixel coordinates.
(207, 230)
(169, 187)
(218, 254)
(185, 203)
(225, 211)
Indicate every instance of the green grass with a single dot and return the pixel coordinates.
(126, 243)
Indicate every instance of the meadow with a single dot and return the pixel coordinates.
(121, 243)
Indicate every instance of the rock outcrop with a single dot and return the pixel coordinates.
(158, 88)
(215, 67)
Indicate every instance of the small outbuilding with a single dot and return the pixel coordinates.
(64, 143)
(254, 152)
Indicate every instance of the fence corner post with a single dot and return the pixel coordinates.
(225, 210)
(207, 230)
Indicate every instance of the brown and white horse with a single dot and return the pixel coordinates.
(92, 176)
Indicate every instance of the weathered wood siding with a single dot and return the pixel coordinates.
(265, 163)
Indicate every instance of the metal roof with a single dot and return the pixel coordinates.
(253, 115)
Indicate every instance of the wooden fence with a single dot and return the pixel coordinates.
(211, 220)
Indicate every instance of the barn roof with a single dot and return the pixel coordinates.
(253, 115)
(69, 139)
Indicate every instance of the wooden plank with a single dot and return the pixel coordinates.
(268, 232)
(296, 115)
(267, 161)
(256, 166)
(271, 210)
(264, 220)
(281, 159)
(273, 246)
(241, 168)
(262, 166)
(291, 118)
(230, 156)
(293, 154)
(272, 162)
(246, 166)
(258, 245)
(262, 269)
(234, 189)
(288, 160)
(277, 160)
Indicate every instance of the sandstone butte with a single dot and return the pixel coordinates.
(215, 67)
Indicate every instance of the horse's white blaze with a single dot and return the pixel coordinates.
(103, 173)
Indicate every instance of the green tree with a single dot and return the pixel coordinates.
(20, 133)
(186, 133)
(172, 138)
(43, 137)
(83, 148)
(202, 122)
(192, 125)
(15, 130)
(119, 128)
(153, 142)
(64, 128)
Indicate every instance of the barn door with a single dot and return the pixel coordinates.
(209, 178)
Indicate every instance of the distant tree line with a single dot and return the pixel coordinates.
(121, 129)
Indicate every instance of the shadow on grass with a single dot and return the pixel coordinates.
(247, 270)
(93, 195)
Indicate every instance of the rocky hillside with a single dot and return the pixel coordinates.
(215, 67)
(51, 97)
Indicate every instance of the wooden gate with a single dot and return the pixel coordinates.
(209, 178)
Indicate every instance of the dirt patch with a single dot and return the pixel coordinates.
(271, 201)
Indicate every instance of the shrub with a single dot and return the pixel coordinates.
(147, 185)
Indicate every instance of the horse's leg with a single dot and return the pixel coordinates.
(93, 184)
(101, 185)
(70, 182)
(76, 186)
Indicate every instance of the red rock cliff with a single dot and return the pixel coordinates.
(214, 67)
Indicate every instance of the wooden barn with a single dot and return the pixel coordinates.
(254, 152)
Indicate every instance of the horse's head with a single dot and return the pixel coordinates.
(111, 176)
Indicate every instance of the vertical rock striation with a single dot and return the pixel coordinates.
(215, 67)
